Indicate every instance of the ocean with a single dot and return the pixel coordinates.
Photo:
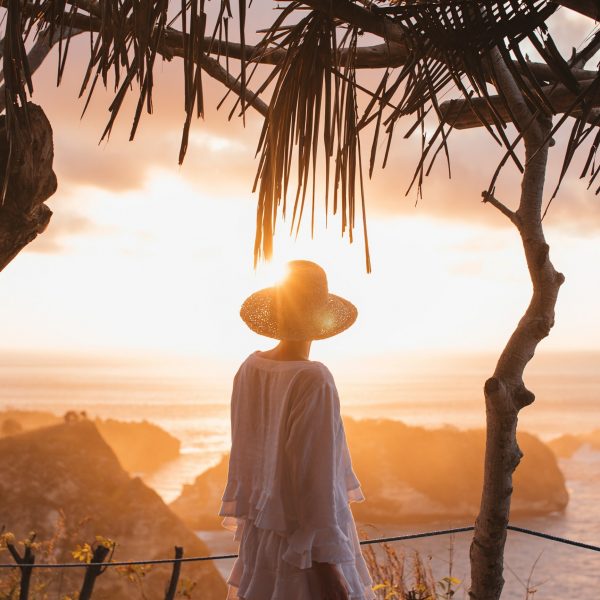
(190, 399)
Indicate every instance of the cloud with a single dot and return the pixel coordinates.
(220, 154)
(468, 268)
(474, 158)
(63, 224)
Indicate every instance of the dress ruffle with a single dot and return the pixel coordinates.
(276, 559)
(263, 570)
(257, 504)
(330, 545)
(266, 510)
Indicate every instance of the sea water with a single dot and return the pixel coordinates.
(190, 399)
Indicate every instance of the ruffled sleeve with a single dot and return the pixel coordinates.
(315, 453)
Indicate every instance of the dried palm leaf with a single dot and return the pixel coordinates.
(314, 99)
(125, 38)
(451, 40)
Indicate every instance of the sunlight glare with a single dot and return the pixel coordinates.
(272, 272)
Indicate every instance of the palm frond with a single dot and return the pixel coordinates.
(313, 123)
(451, 41)
(313, 111)
(126, 38)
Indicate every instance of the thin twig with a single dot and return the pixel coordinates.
(489, 198)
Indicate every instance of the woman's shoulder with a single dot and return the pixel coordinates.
(306, 374)
(315, 380)
(259, 361)
(318, 372)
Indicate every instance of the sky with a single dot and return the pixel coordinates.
(145, 256)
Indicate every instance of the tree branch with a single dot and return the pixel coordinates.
(579, 59)
(543, 72)
(364, 19)
(516, 106)
(213, 68)
(216, 71)
(489, 199)
(42, 48)
(378, 56)
(463, 116)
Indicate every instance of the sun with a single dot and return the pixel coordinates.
(272, 272)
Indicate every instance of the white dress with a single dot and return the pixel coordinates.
(290, 482)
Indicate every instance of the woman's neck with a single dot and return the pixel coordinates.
(289, 350)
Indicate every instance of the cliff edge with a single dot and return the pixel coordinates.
(140, 446)
(64, 482)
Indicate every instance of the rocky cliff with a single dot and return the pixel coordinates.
(411, 474)
(65, 482)
(417, 474)
(199, 502)
(566, 445)
(139, 446)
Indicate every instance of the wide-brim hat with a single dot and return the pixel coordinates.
(300, 308)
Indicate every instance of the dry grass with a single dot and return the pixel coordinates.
(400, 575)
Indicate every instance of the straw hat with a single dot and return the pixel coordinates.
(300, 308)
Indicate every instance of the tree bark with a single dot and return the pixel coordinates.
(92, 572)
(29, 183)
(462, 115)
(172, 587)
(25, 563)
(505, 392)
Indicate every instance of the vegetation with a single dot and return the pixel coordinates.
(397, 576)
(72, 496)
(38, 587)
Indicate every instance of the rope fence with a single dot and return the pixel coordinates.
(381, 540)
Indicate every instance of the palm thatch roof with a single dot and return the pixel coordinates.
(311, 98)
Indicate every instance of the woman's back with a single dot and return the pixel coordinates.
(290, 481)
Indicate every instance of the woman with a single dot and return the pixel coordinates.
(290, 476)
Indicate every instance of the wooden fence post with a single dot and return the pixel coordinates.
(93, 571)
(24, 563)
(172, 588)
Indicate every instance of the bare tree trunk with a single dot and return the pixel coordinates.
(505, 392)
(172, 587)
(93, 572)
(25, 563)
(31, 181)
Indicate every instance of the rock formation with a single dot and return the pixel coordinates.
(417, 474)
(199, 502)
(65, 482)
(566, 445)
(139, 446)
(411, 474)
(29, 182)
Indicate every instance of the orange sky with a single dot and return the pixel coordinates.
(144, 255)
